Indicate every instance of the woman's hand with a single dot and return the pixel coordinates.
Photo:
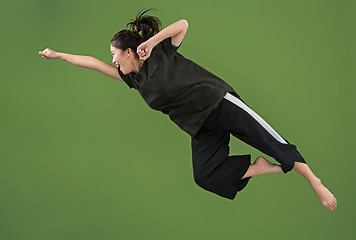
(49, 54)
(144, 50)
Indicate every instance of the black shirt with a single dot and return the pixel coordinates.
(177, 86)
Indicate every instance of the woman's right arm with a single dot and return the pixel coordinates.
(83, 61)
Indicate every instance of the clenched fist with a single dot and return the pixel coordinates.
(49, 54)
(144, 50)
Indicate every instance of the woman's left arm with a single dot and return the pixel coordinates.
(176, 30)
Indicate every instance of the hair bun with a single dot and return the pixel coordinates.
(139, 30)
(147, 25)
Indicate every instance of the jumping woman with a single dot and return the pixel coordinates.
(200, 103)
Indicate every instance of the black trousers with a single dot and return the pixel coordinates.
(214, 170)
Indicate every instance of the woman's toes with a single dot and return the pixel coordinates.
(332, 206)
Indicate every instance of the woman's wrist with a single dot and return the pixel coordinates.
(60, 55)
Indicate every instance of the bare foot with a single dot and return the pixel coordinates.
(265, 166)
(326, 197)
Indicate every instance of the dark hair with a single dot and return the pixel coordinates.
(131, 37)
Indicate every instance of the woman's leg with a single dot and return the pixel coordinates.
(249, 127)
(262, 166)
(214, 169)
(325, 196)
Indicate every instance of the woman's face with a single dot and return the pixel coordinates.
(122, 59)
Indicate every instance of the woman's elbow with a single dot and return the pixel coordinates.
(185, 22)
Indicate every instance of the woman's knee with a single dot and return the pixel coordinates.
(203, 181)
(200, 181)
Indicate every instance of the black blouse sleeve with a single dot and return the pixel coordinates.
(126, 79)
(168, 42)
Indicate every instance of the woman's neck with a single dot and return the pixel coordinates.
(137, 65)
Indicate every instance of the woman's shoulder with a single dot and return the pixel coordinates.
(166, 45)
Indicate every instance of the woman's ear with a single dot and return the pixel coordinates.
(128, 51)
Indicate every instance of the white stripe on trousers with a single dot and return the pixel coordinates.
(242, 105)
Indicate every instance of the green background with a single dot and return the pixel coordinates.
(84, 157)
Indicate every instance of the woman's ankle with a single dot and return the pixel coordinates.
(304, 170)
(315, 181)
(250, 171)
(262, 166)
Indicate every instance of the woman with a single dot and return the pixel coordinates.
(201, 104)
